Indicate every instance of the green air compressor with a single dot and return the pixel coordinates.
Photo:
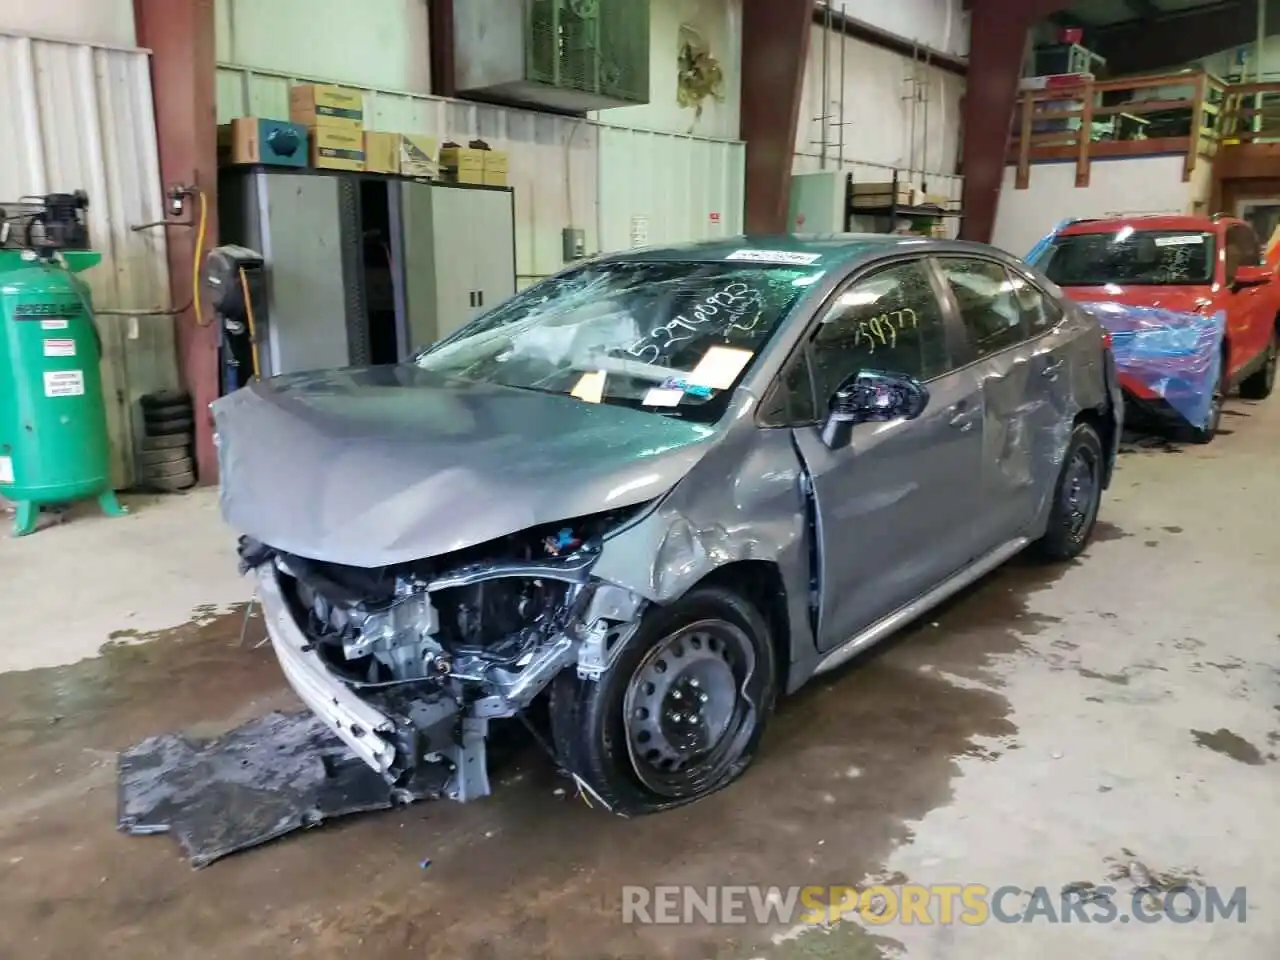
(53, 424)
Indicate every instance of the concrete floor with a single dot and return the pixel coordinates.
(1044, 729)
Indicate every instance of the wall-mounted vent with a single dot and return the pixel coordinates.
(568, 55)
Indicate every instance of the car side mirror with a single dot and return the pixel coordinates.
(1252, 276)
(872, 396)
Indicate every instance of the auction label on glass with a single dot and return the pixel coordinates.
(59, 348)
(64, 383)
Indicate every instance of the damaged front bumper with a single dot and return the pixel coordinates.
(369, 733)
(399, 729)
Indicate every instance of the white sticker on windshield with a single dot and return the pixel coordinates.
(590, 387)
(719, 367)
(775, 256)
(1182, 241)
(659, 397)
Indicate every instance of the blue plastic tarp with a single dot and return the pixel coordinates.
(1176, 355)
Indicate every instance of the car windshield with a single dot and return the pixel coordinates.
(673, 338)
(1131, 257)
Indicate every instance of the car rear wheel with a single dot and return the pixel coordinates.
(680, 712)
(1258, 385)
(1076, 498)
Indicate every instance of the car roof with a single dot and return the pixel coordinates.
(1145, 222)
(833, 249)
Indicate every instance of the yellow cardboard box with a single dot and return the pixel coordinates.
(323, 104)
(463, 164)
(337, 148)
(381, 152)
(495, 168)
(418, 156)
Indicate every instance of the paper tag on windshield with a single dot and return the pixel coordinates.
(775, 256)
(590, 387)
(658, 397)
(719, 367)
(1191, 238)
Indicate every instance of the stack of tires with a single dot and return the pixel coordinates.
(165, 460)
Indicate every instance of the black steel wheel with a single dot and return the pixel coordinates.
(1258, 385)
(680, 713)
(1077, 497)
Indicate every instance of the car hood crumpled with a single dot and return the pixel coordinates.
(371, 467)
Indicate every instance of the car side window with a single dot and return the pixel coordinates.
(1039, 313)
(890, 321)
(1247, 242)
(789, 402)
(991, 312)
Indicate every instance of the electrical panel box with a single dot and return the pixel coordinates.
(819, 202)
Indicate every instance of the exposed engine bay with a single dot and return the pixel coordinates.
(438, 647)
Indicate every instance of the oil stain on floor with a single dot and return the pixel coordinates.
(1229, 744)
(529, 872)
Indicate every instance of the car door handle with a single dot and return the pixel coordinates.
(1051, 369)
(963, 417)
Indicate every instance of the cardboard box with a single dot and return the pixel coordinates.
(322, 104)
(381, 152)
(869, 196)
(418, 156)
(276, 143)
(463, 164)
(495, 168)
(337, 148)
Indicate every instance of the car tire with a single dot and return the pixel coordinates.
(1258, 385)
(1206, 433)
(698, 673)
(1076, 497)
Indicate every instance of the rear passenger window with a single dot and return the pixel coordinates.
(1039, 313)
(890, 321)
(990, 311)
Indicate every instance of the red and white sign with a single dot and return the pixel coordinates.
(54, 347)
(715, 218)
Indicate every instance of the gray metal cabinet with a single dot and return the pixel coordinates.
(457, 245)
(307, 229)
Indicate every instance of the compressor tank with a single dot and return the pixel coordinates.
(54, 445)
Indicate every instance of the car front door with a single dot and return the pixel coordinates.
(892, 506)
(1019, 366)
(1250, 310)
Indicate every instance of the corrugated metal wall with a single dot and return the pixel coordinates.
(565, 171)
(658, 188)
(79, 117)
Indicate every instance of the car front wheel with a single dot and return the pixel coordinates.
(1076, 498)
(680, 712)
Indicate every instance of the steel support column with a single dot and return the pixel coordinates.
(775, 45)
(440, 38)
(180, 35)
(997, 43)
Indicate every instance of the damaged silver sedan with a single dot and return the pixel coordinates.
(658, 490)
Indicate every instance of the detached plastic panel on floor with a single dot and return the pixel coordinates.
(268, 778)
(1176, 355)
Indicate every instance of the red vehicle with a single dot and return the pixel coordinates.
(1193, 267)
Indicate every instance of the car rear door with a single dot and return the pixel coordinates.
(892, 507)
(1015, 355)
